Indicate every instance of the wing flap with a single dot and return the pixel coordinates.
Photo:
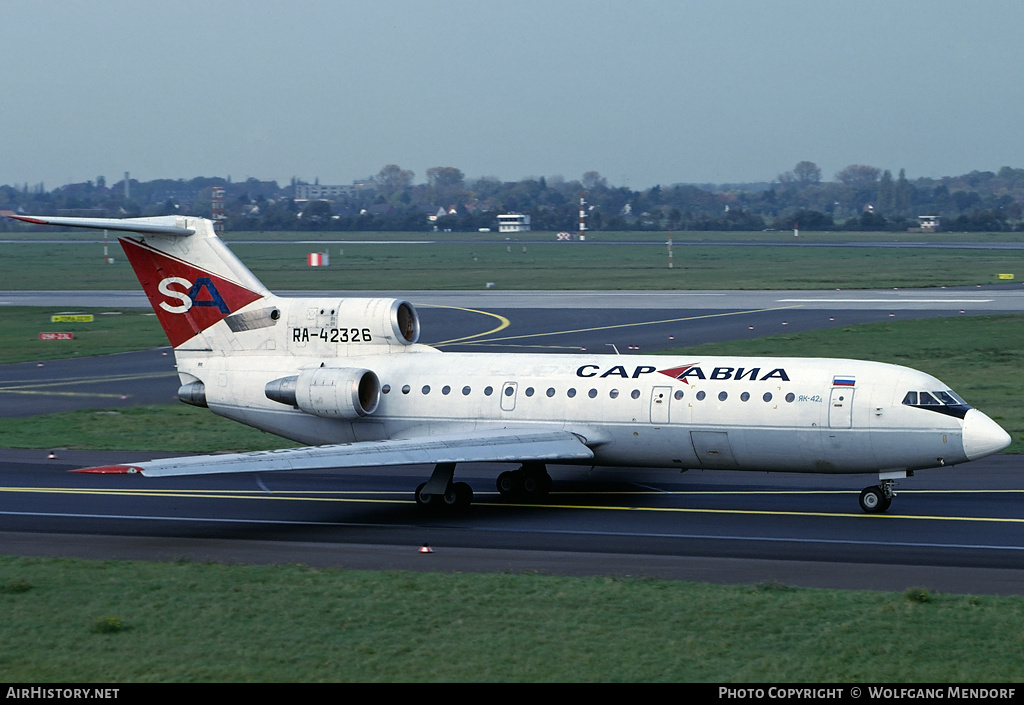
(493, 446)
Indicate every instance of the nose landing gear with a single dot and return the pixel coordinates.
(877, 498)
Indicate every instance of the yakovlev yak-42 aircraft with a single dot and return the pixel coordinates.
(347, 377)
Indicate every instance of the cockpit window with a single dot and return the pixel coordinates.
(944, 402)
(947, 398)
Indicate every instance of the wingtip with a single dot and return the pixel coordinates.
(109, 470)
(25, 218)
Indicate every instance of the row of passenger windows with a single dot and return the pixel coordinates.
(571, 393)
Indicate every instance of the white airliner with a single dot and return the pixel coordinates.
(347, 377)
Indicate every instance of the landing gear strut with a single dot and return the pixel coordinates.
(877, 498)
(530, 482)
(440, 492)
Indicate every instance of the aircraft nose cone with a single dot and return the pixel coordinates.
(982, 436)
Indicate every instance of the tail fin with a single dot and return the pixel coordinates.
(190, 276)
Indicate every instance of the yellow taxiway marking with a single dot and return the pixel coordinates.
(44, 387)
(503, 323)
(613, 326)
(211, 494)
(349, 496)
(506, 346)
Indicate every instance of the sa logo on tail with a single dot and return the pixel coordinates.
(187, 300)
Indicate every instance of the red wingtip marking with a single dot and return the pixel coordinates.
(27, 219)
(109, 470)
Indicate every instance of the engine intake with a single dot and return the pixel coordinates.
(332, 392)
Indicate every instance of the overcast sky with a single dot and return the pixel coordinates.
(646, 92)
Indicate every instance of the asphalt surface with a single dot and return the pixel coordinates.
(954, 530)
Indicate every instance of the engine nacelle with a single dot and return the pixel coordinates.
(332, 392)
(193, 393)
(356, 321)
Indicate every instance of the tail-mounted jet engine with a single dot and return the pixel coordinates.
(391, 322)
(332, 392)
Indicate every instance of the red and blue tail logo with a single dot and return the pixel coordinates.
(187, 300)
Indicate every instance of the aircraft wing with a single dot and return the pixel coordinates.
(484, 446)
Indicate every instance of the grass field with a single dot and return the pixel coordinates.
(119, 622)
(111, 331)
(634, 261)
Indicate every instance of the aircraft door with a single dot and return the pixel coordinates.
(713, 449)
(840, 408)
(660, 398)
(508, 396)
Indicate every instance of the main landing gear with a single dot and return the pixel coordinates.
(440, 492)
(877, 498)
(530, 482)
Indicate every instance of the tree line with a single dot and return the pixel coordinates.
(859, 197)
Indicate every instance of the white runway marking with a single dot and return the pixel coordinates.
(887, 301)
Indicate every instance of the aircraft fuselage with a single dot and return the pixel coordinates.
(776, 414)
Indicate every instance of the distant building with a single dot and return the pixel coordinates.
(928, 223)
(315, 192)
(513, 223)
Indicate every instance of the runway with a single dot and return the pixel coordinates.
(954, 530)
